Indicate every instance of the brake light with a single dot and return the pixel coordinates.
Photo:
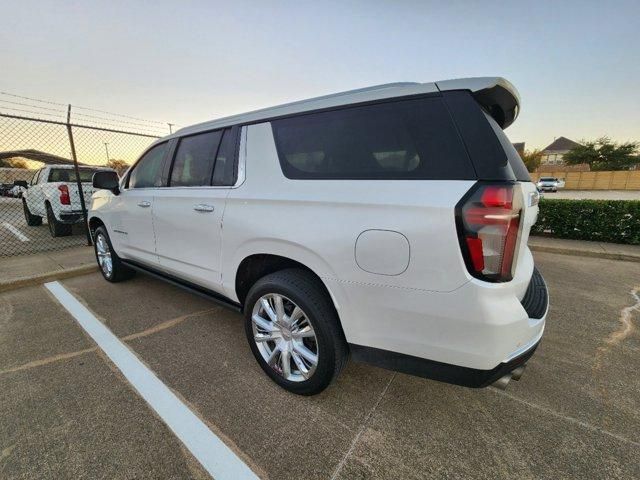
(488, 221)
(65, 199)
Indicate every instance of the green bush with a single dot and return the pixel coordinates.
(616, 221)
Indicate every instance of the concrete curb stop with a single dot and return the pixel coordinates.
(585, 253)
(41, 278)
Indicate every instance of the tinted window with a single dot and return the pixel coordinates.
(69, 175)
(513, 157)
(409, 139)
(225, 160)
(148, 171)
(193, 164)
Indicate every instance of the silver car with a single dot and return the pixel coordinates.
(548, 184)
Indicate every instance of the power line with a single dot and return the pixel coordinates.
(32, 99)
(30, 111)
(118, 115)
(81, 108)
(84, 115)
(32, 106)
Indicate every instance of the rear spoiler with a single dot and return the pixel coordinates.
(497, 96)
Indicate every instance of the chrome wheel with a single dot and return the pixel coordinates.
(104, 255)
(285, 337)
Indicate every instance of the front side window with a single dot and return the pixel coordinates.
(405, 139)
(194, 160)
(147, 173)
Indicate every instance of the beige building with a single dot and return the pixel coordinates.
(552, 154)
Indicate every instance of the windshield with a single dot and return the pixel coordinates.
(548, 179)
(69, 175)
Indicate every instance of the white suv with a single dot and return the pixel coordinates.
(389, 224)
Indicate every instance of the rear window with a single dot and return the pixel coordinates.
(513, 157)
(69, 175)
(408, 139)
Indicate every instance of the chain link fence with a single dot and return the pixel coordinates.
(48, 154)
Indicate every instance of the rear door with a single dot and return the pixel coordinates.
(132, 230)
(188, 213)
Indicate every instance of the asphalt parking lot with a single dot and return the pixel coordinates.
(17, 238)
(68, 412)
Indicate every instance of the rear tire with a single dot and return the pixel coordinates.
(308, 349)
(56, 228)
(111, 267)
(32, 220)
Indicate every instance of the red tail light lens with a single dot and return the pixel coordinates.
(488, 221)
(65, 199)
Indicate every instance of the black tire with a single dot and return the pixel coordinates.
(56, 228)
(119, 271)
(306, 291)
(32, 220)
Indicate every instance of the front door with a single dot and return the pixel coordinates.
(133, 234)
(188, 213)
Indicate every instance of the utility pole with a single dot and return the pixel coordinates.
(170, 127)
(106, 147)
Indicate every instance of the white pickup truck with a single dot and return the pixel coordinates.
(53, 193)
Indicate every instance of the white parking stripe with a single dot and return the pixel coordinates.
(15, 231)
(216, 458)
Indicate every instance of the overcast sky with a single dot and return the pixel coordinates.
(576, 64)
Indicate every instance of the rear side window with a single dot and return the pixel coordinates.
(408, 139)
(513, 157)
(69, 175)
(225, 160)
(147, 173)
(194, 160)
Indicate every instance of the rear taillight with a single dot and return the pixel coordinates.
(488, 221)
(64, 195)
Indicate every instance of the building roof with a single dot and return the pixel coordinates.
(486, 89)
(561, 144)
(38, 156)
(519, 146)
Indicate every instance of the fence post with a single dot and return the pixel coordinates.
(78, 182)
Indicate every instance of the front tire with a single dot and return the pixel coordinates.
(294, 331)
(56, 228)
(32, 220)
(111, 267)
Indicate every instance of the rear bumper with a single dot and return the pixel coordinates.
(534, 304)
(442, 372)
(73, 216)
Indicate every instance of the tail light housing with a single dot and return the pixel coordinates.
(65, 199)
(488, 220)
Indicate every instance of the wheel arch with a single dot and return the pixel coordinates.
(94, 223)
(257, 265)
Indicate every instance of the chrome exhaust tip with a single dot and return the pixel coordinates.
(516, 374)
(502, 382)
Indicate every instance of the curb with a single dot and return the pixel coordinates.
(585, 253)
(47, 277)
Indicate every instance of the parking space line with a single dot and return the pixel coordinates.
(15, 231)
(214, 456)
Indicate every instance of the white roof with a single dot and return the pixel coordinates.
(377, 92)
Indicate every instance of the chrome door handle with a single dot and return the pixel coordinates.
(144, 204)
(201, 207)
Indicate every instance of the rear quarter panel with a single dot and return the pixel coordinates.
(317, 222)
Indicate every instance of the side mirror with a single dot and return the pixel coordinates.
(21, 183)
(107, 180)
